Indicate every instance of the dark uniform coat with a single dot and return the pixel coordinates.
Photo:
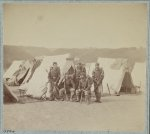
(69, 83)
(78, 72)
(98, 75)
(54, 74)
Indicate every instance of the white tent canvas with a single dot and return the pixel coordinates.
(30, 65)
(38, 83)
(89, 69)
(12, 69)
(139, 75)
(114, 71)
(30, 71)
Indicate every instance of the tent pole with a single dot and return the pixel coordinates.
(140, 86)
(126, 89)
(108, 89)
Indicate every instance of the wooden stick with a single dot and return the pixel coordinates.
(108, 88)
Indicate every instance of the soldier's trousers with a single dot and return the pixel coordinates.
(77, 83)
(78, 94)
(66, 94)
(98, 91)
(83, 93)
(54, 94)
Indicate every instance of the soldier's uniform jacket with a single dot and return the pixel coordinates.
(85, 83)
(98, 75)
(79, 71)
(69, 83)
(54, 74)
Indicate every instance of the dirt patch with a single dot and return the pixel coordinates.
(116, 113)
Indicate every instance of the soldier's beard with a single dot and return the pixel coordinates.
(55, 67)
(80, 67)
(97, 68)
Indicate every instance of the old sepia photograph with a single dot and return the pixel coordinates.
(75, 66)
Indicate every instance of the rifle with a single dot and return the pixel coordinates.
(81, 95)
(65, 89)
(108, 89)
(56, 91)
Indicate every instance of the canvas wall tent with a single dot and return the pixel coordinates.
(9, 96)
(115, 75)
(69, 65)
(68, 68)
(139, 75)
(21, 72)
(89, 69)
(76, 60)
(33, 65)
(12, 69)
(38, 85)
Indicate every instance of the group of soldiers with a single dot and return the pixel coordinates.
(77, 85)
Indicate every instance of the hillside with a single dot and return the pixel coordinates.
(12, 53)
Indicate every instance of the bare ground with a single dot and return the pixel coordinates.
(116, 113)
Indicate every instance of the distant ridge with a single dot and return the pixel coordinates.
(12, 53)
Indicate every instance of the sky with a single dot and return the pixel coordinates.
(76, 25)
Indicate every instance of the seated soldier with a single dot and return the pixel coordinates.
(84, 88)
(69, 88)
(78, 71)
(87, 91)
(12, 81)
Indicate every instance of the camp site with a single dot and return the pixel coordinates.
(78, 66)
(26, 93)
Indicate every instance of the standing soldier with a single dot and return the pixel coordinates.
(98, 75)
(54, 76)
(69, 88)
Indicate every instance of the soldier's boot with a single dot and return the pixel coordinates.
(98, 98)
(100, 95)
(51, 98)
(62, 98)
(85, 96)
(71, 99)
(71, 96)
(56, 94)
(72, 93)
(62, 94)
(77, 95)
(78, 98)
(88, 98)
(67, 97)
(51, 94)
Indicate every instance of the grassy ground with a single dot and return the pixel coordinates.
(117, 113)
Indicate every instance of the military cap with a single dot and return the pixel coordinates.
(54, 63)
(79, 63)
(83, 75)
(97, 64)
